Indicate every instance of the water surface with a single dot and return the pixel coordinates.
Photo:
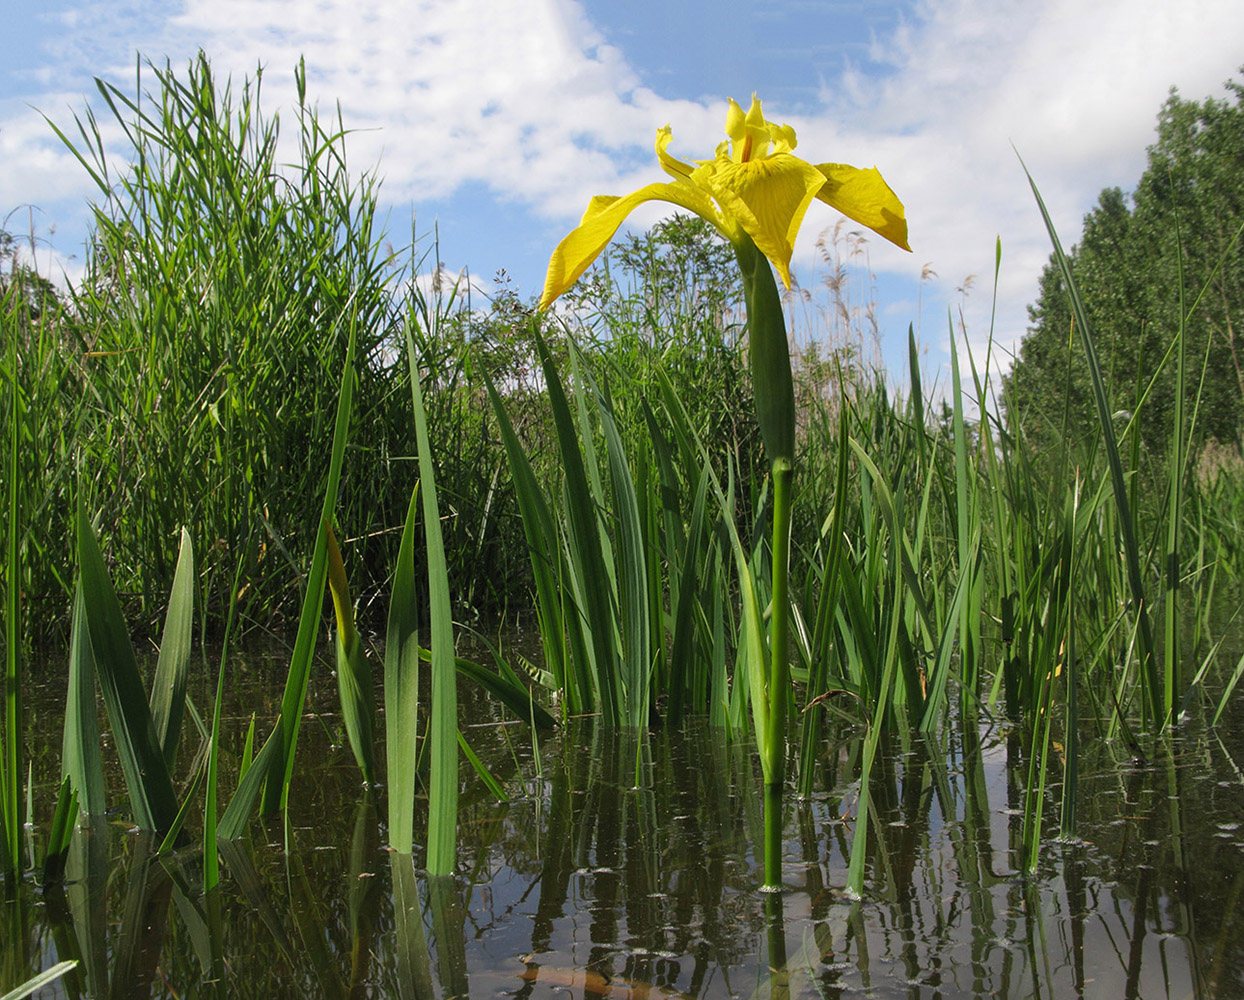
(625, 865)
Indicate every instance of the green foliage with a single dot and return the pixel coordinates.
(613, 467)
(670, 301)
(1177, 230)
(44, 978)
(152, 798)
(44, 406)
(11, 750)
(401, 690)
(443, 725)
(24, 292)
(210, 326)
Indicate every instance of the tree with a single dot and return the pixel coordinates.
(1177, 231)
(22, 288)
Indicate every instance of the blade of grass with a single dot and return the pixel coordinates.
(44, 978)
(354, 683)
(506, 689)
(481, 769)
(966, 513)
(413, 958)
(541, 536)
(637, 655)
(80, 759)
(1171, 653)
(60, 834)
(401, 689)
(585, 542)
(682, 646)
(827, 608)
(168, 689)
(152, 798)
(1149, 667)
(211, 850)
(11, 807)
(952, 628)
(876, 724)
(295, 695)
(443, 725)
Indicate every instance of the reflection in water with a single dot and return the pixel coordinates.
(625, 867)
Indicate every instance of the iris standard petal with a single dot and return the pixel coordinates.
(736, 119)
(605, 213)
(782, 137)
(749, 133)
(768, 198)
(863, 195)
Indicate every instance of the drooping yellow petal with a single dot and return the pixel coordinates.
(605, 213)
(863, 195)
(767, 197)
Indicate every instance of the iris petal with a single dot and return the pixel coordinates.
(605, 213)
(768, 198)
(753, 185)
(863, 195)
(671, 165)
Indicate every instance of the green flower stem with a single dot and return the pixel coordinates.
(773, 387)
(768, 353)
(779, 671)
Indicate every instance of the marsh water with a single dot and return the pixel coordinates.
(625, 865)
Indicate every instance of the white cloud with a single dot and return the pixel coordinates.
(38, 168)
(526, 98)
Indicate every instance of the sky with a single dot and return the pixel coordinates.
(493, 122)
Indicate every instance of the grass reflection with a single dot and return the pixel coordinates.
(624, 866)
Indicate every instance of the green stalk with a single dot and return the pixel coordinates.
(768, 353)
(774, 391)
(443, 724)
(401, 691)
(11, 765)
(211, 851)
(779, 672)
(1172, 687)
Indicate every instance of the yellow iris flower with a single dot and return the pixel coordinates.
(753, 185)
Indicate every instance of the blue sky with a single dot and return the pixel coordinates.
(498, 120)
